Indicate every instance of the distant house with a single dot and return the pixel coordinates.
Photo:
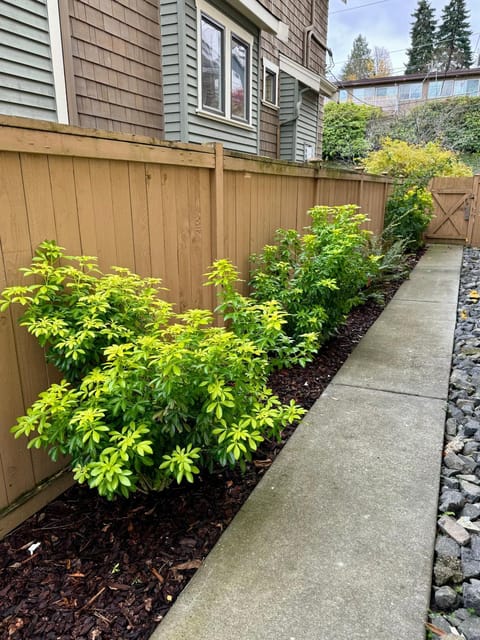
(396, 94)
(241, 72)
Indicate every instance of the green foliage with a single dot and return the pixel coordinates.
(419, 163)
(344, 130)
(453, 48)
(408, 213)
(317, 278)
(422, 37)
(360, 63)
(76, 314)
(263, 322)
(151, 396)
(391, 254)
(452, 123)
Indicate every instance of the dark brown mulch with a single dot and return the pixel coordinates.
(107, 571)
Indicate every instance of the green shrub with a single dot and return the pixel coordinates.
(408, 213)
(77, 314)
(418, 163)
(453, 123)
(261, 322)
(344, 130)
(317, 278)
(151, 396)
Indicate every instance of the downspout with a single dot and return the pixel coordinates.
(310, 34)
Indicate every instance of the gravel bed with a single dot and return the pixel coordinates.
(455, 605)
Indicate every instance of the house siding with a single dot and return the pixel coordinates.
(298, 17)
(26, 74)
(288, 102)
(307, 124)
(181, 78)
(117, 65)
(171, 56)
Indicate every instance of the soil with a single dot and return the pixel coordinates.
(111, 570)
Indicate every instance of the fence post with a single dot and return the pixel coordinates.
(218, 204)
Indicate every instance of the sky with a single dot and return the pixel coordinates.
(384, 23)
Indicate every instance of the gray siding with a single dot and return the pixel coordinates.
(180, 80)
(288, 102)
(26, 77)
(307, 124)
(171, 41)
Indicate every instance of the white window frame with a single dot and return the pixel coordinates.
(57, 61)
(274, 69)
(231, 29)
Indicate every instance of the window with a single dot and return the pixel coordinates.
(363, 94)
(465, 88)
(386, 92)
(440, 89)
(342, 95)
(410, 91)
(472, 87)
(270, 83)
(225, 55)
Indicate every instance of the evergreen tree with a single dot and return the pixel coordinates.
(360, 61)
(453, 50)
(422, 35)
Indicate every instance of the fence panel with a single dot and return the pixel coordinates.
(161, 209)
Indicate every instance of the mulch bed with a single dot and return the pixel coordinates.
(111, 570)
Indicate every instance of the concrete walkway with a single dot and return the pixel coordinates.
(336, 542)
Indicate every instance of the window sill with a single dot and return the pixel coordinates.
(224, 120)
(274, 107)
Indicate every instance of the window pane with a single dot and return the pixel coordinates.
(239, 80)
(358, 95)
(460, 88)
(212, 66)
(342, 96)
(472, 87)
(434, 89)
(411, 91)
(270, 87)
(447, 88)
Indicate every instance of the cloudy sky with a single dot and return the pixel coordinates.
(384, 23)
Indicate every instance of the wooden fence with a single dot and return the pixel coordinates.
(160, 209)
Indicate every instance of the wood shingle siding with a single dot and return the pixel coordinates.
(26, 76)
(117, 65)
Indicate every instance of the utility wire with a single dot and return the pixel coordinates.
(422, 46)
(368, 4)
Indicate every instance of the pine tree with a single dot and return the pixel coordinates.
(453, 49)
(422, 34)
(360, 62)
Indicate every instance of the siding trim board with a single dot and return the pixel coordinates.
(57, 61)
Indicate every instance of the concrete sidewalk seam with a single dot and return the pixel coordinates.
(398, 393)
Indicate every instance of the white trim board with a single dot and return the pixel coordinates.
(307, 77)
(57, 61)
(261, 17)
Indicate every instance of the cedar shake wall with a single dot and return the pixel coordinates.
(117, 65)
(297, 16)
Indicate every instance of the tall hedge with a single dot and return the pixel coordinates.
(345, 130)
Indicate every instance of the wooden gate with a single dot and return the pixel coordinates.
(456, 202)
